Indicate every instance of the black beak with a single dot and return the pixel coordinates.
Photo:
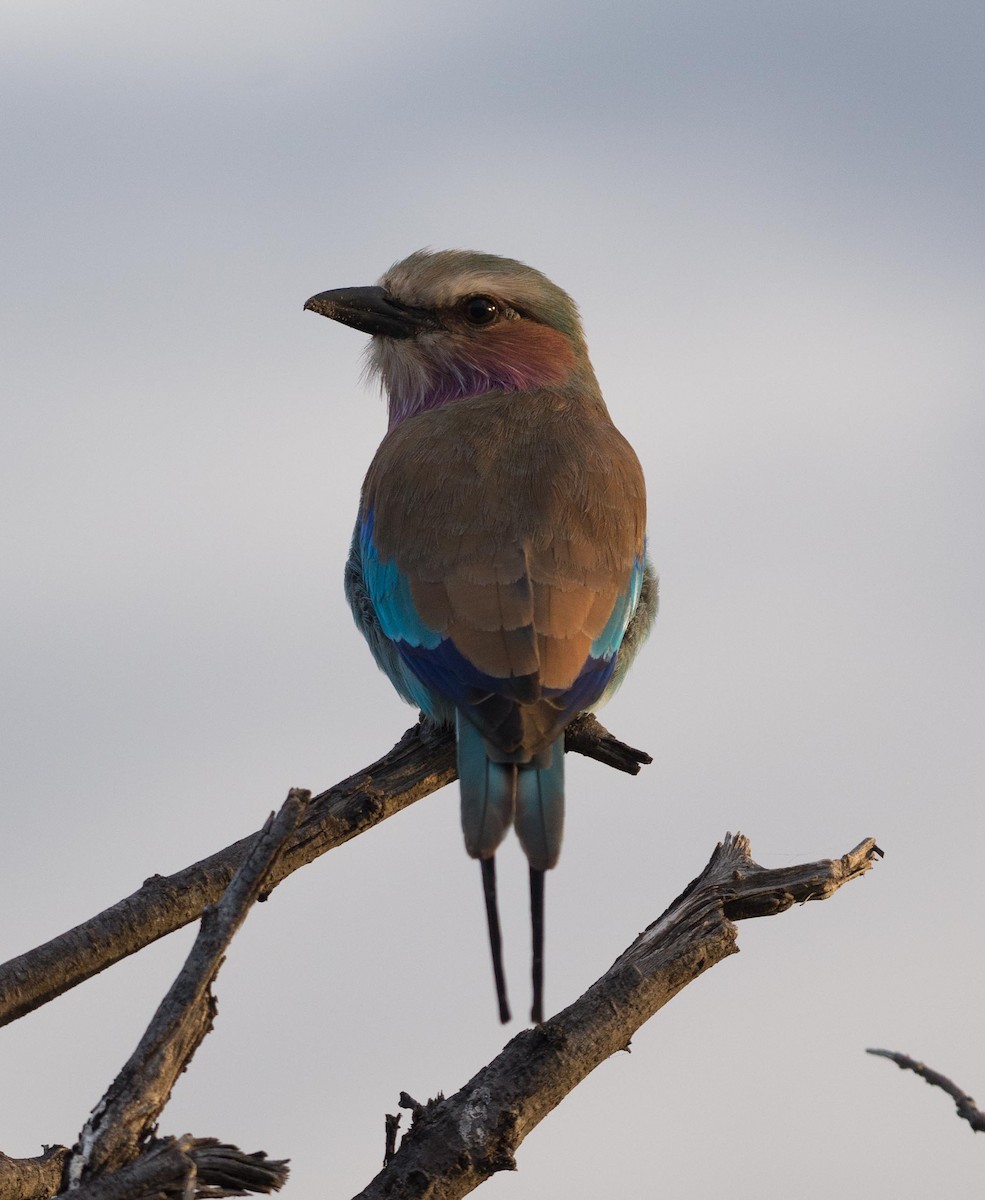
(371, 310)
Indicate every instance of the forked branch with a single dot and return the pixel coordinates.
(420, 763)
(118, 1155)
(453, 1144)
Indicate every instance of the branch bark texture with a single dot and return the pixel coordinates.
(29, 1178)
(181, 1168)
(420, 763)
(454, 1144)
(119, 1128)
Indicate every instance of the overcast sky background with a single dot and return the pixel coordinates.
(771, 217)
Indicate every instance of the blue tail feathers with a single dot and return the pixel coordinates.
(539, 816)
(496, 795)
(488, 792)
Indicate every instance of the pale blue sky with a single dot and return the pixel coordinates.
(771, 217)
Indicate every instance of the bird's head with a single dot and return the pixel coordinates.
(450, 324)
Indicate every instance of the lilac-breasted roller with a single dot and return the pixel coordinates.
(498, 569)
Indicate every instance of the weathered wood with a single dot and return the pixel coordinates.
(453, 1144)
(456, 1143)
(121, 1125)
(30, 1178)
(420, 763)
(180, 1168)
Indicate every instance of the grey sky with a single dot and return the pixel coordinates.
(771, 217)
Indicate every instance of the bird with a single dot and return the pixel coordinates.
(498, 569)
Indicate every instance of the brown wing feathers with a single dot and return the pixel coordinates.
(521, 576)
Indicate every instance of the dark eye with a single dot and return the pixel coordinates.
(480, 310)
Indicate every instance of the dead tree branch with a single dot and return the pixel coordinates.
(181, 1168)
(420, 763)
(30, 1178)
(454, 1144)
(120, 1127)
(967, 1109)
(171, 1167)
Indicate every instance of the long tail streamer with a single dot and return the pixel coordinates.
(495, 938)
(537, 929)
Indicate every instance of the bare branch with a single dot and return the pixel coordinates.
(967, 1109)
(30, 1178)
(178, 1168)
(420, 763)
(455, 1144)
(221, 1166)
(588, 736)
(121, 1124)
(392, 1125)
